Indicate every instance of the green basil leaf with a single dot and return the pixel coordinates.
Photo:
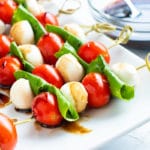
(23, 14)
(39, 85)
(67, 36)
(14, 50)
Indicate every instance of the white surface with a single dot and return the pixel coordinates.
(107, 123)
(116, 119)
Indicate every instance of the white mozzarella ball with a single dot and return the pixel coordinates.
(21, 94)
(34, 7)
(126, 72)
(32, 54)
(22, 33)
(75, 29)
(77, 94)
(2, 27)
(69, 68)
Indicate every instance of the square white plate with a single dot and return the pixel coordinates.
(107, 123)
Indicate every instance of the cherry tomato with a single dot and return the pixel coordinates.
(49, 73)
(49, 44)
(8, 133)
(8, 65)
(4, 45)
(45, 109)
(90, 50)
(7, 8)
(47, 18)
(98, 89)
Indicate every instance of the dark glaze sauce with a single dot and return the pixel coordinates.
(37, 123)
(26, 111)
(75, 127)
(3, 100)
(72, 127)
(37, 126)
(14, 120)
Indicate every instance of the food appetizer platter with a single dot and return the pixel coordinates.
(60, 88)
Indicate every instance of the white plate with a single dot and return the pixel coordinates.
(114, 120)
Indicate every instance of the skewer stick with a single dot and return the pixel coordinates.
(123, 37)
(68, 11)
(98, 27)
(23, 121)
(7, 104)
(106, 27)
(147, 64)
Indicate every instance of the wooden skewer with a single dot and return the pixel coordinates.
(147, 64)
(124, 36)
(23, 121)
(68, 11)
(98, 27)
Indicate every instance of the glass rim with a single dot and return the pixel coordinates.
(112, 18)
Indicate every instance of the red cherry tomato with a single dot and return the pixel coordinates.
(90, 50)
(45, 109)
(49, 44)
(98, 89)
(49, 73)
(8, 65)
(4, 45)
(47, 18)
(7, 8)
(8, 133)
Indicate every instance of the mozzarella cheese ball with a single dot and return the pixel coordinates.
(22, 33)
(32, 54)
(126, 72)
(75, 29)
(34, 7)
(21, 94)
(69, 68)
(77, 94)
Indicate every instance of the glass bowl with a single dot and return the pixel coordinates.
(116, 12)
